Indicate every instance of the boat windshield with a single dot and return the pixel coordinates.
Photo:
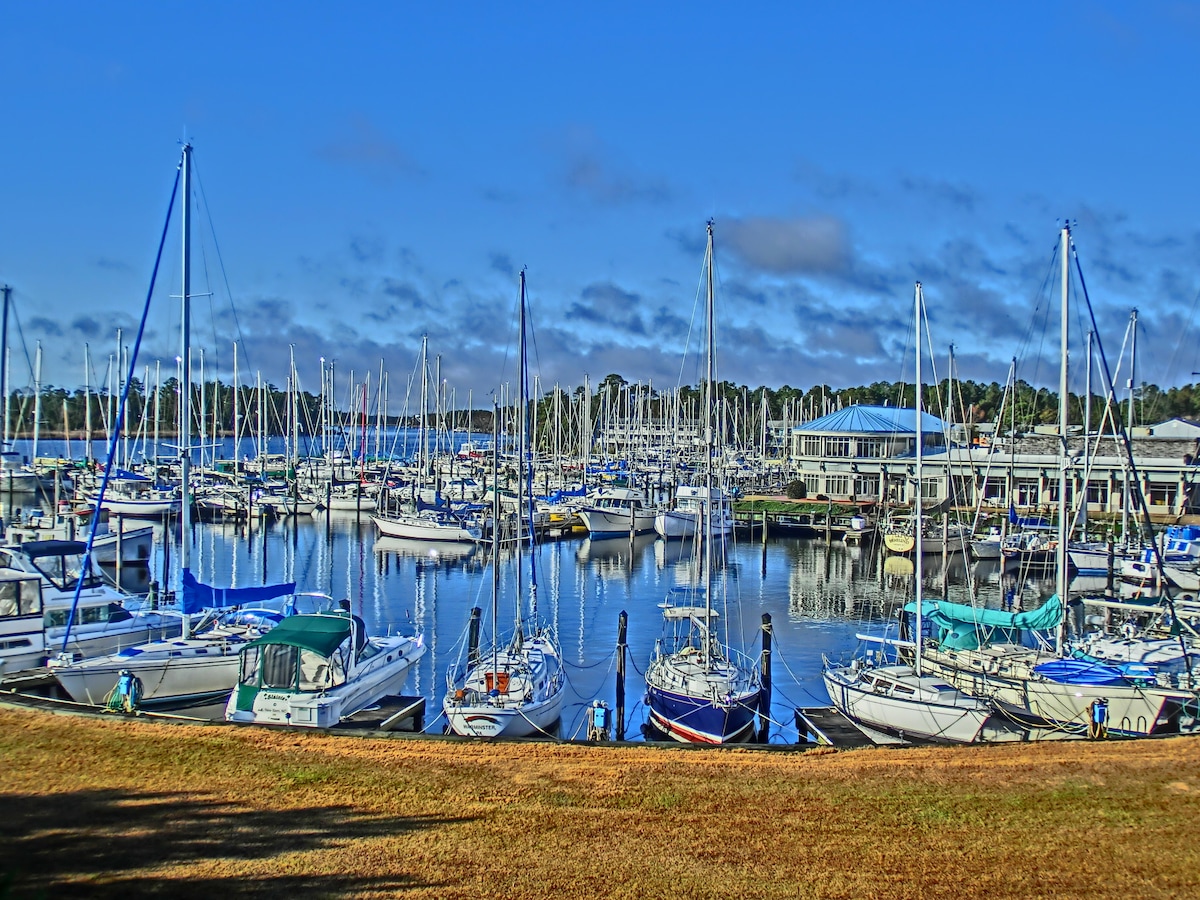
(63, 571)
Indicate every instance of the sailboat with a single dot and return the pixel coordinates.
(204, 661)
(436, 524)
(902, 698)
(514, 690)
(698, 689)
(983, 651)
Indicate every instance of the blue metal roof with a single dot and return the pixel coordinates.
(874, 420)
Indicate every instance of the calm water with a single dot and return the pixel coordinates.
(818, 595)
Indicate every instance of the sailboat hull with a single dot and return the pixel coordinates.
(700, 720)
(882, 704)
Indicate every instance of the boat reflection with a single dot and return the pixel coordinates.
(439, 554)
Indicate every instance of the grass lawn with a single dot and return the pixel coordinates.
(99, 807)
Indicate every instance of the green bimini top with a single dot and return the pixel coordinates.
(965, 627)
(321, 634)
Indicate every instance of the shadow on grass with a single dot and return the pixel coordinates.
(99, 843)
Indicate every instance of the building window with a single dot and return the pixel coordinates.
(1026, 490)
(837, 485)
(812, 485)
(929, 488)
(1161, 493)
(866, 486)
(1097, 492)
(837, 446)
(810, 445)
(870, 448)
(993, 492)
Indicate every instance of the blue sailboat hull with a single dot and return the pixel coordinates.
(699, 720)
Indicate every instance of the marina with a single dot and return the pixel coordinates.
(818, 593)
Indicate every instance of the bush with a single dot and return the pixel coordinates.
(796, 490)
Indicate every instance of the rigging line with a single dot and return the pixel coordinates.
(1184, 338)
(24, 346)
(116, 431)
(221, 264)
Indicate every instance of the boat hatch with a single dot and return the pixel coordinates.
(498, 681)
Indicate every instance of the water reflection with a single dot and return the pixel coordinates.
(818, 593)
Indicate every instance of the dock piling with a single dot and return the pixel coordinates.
(622, 628)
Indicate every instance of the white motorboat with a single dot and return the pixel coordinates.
(686, 518)
(104, 620)
(314, 670)
(615, 511)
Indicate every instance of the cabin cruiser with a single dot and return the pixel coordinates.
(38, 585)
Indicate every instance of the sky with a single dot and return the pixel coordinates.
(372, 173)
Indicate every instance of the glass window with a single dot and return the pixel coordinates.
(1097, 491)
(866, 486)
(870, 448)
(279, 666)
(810, 445)
(837, 485)
(249, 674)
(314, 671)
(837, 446)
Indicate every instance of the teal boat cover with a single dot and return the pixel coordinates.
(964, 627)
(320, 633)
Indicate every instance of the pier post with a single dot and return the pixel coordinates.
(120, 542)
(473, 637)
(764, 526)
(622, 626)
(1112, 554)
(764, 698)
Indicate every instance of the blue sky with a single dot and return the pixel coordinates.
(373, 172)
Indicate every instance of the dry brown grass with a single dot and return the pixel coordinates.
(108, 808)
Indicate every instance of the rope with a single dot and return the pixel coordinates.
(116, 431)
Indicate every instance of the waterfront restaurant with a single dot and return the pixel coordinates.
(867, 453)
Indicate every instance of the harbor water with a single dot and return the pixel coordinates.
(819, 595)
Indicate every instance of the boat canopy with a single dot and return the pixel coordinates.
(39, 549)
(198, 596)
(965, 627)
(322, 634)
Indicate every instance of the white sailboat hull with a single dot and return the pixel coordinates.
(959, 721)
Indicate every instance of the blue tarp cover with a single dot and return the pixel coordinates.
(197, 596)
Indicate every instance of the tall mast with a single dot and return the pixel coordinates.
(522, 391)
(87, 406)
(1064, 456)
(185, 449)
(918, 523)
(37, 399)
(706, 510)
(4, 360)
(1127, 500)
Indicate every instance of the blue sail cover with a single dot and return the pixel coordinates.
(964, 627)
(197, 596)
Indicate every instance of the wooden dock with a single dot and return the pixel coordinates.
(827, 727)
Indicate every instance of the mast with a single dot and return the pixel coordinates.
(37, 399)
(87, 408)
(918, 524)
(1064, 456)
(185, 450)
(4, 360)
(1127, 500)
(706, 509)
(522, 436)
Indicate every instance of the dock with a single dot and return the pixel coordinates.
(394, 713)
(827, 727)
